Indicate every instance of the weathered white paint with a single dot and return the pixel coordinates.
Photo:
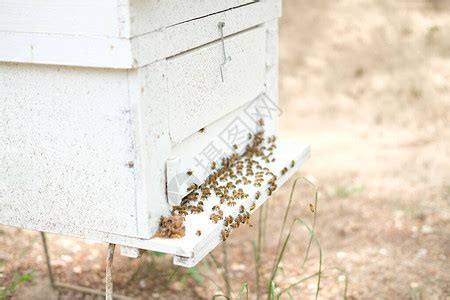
(198, 95)
(159, 44)
(104, 18)
(63, 17)
(124, 51)
(151, 15)
(54, 49)
(66, 145)
(89, 152)
(231, 129)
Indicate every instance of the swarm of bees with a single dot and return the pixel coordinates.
(227, 175)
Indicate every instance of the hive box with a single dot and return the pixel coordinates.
(104, 104)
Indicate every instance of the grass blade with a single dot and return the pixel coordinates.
(319, 273)
(244, 288)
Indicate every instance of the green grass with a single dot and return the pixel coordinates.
(17, 280)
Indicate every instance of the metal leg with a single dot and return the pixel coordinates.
(47, 258)
(109, 270)
(109, 284)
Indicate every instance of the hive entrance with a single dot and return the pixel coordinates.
(222, 195)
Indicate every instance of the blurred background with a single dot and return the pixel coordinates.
(367, 84)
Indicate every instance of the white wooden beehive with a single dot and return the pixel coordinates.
(106, 104)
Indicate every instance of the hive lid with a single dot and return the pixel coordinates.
(121, 34)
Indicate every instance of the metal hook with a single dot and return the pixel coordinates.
(226, 59)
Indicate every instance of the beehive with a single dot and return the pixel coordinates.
(106, 107)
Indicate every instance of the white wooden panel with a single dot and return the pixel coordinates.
(66, 149)
(81, 17)
(159, 44)
(123, 52)
(194, 152)
(65, 50)
(150, 15)
(149, 107)
(198, 95)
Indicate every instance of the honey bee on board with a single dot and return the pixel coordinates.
(216, 207)
(241, 209)
(311, 207)
(225, 233)
(235, 147)
(213, 165)
(292, 164)
(201, 130)
(253, 206)
(189, 173)
(215, 218)
(257, 195)
(198, 233)
(192, 187)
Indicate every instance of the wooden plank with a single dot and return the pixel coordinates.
(65, 50)
(151, 15)
(159, 44)
(199, 247)
(198, 94)
(67, 150)
(63, 17)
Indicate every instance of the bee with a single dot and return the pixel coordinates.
(249, 136)
(235, 147)
(225, 233)
(231, 203)
(201, 130)
(241, 209)
(189, 173)
(284, 171)
(215, 217)
(228, 220)
(253, 206)
(257, 195)
(311, 207)
(292, 164)
(198, 233)
(216, 207)
(192, 187)
(213, 165)
(261, 123)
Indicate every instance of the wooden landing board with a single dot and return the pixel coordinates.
(195, 248)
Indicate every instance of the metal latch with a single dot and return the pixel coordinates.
(225, 58)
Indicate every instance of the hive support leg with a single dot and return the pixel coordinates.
(109, 271)
(60, 285)
(47, 259)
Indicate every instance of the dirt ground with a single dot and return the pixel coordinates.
(367, 84)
